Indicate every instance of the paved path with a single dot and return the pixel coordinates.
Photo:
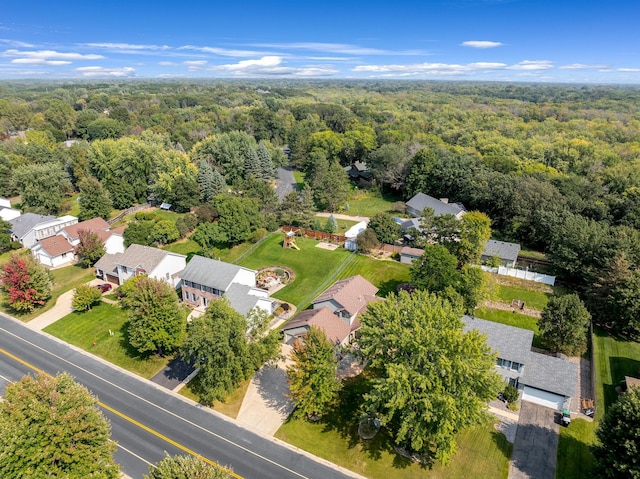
(59, 310)
(284, 182)
(339, 216)
(266, 405)
(536, 445)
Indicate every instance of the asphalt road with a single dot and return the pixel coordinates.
(284, 182)
(147, 420)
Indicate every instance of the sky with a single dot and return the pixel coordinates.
(567, 41)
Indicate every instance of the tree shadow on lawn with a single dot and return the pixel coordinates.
(619, 367)
(389, 286)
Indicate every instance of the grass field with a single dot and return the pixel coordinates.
(386, 275)
(183, 246)
(533, 299)
(229, 407)
(82, 329)
(481, 449)
(575, 460)
(370, 202)
(298, 177)
(512, 319)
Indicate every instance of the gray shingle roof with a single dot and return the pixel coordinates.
(240, 299)
(21, 225)
(421, 201)
(146, 256)
(511, 343)
(210, 272)
(550, 374)
(502, 249)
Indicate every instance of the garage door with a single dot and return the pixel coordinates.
(544, 398)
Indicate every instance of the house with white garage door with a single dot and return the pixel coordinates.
(545, 380)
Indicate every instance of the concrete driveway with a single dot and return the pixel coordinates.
(536, 444)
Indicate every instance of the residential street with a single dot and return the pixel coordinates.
(148, 420)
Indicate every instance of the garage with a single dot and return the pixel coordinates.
(543, 398)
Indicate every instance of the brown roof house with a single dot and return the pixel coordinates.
(111, 238)
(156, 263)
(344, 301)
(53, 251)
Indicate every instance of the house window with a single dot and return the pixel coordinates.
(186, 295)
(203, 287)
(513, 382)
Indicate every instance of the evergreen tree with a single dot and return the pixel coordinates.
(205, 182)
(312, 376)
(252, 165)
(267, 168)
(218, 184)
(51, 427)
(331, 225)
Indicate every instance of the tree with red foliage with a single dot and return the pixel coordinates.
(27, 283)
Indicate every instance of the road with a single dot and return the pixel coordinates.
(284, 182)
(147, 420)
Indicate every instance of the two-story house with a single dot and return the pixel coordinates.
(30, 228)
(111, 238)
(136, 259)
(205, 280)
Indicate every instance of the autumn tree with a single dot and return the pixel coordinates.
(431, 379)
(187, 467)
(51, 427)
(90, 249)
(564, 324)
(312, 376)
(157, 323)
(26, 282)
(216, 343)
(617, 452)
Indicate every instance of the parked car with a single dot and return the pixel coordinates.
(104, 287)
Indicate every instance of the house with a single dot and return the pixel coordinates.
(29, 228)
(53, 251)
(506, 252)
(336, 330)
(205, 280)
(419, 202)
(408, 255)
(545, 380)
(111, 238)
(352, 234)
(7, 213)
(156, 263)
(347, 297)
(359, 173)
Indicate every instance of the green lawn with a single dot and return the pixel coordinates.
(343, 225)
(512, 319)
(64, 279)
(386, 275)
(533, 299)
(370, 202)
(481, 449)
(82, 329)
(183, 246)
(575, 460)
(229, 407)
(312, 266)
(298, 177)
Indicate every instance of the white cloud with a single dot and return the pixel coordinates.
(581, 66)
(16, 43)
(481, 44)
(127, 47)
(271, 65)
(168, 64)
(343, 48)
(195, 62)
(532, 65)
(39, 61)
(99, 71)
(629, 70)
(430, 68)
(224, 52)
(50, 55)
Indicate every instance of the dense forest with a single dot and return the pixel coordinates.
(556, 168)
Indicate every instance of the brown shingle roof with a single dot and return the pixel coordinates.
(104, 235)
(56, 245)
(335, 328)
(94, 224)
(350, 293)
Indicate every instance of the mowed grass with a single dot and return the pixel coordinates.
(83, 329)
(482, 453)
(312, 266)
(384, 274)
(371, 202)
(511, 319)
(183, 246)
(230, 407)
(575, 460)
(533, 299)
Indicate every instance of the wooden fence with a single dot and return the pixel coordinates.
(317, 235)
(126, 212)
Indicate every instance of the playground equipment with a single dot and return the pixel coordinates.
(290, 240)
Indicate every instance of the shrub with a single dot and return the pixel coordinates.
(510, 394)
(258, 234)
(84, 297)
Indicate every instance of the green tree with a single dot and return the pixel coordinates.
(187, 467)
(6, 244)
(104, 128)
(296, 208)
(367, 240)
(312, 375)
(164, 232)
(431, 379)
(617, 452)
(264, 343)
(206, 182)
(90, 249)
(330, 185)
(94, 200)
(157, 323)
(331, 225)
(388, 164)
(235, 217)
(564, 324)
(51, 427)
(436, 270)
(85, 297)
(623, 312)
(386, 228)
(61, 115)
(252, 165)
(474, 287)
(267, 168)
(475, 231)
(26, 282)
(42, 186)
(217, 344)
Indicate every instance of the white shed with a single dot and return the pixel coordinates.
(352, 233)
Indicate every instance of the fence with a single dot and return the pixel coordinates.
(522, 274)
(317, 235)
(126, 212)
(390, 248)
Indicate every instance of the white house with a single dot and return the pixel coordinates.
(7, 213)
(111, 238)
(53, 251)
(30, 228)
(156, 263)
(352, 233)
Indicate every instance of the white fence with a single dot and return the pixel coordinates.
(522, 274)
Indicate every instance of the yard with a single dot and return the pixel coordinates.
(370, 202)
(83, 329)
(231, 405)
(481, 449)
(511, 319)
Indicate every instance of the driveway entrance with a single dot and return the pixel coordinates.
(536, 445)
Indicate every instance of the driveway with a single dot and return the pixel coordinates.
(536, 445)
(285, 182)
(173, 374)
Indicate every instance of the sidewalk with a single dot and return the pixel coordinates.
(266, 405)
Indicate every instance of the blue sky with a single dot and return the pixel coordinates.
(502, 40)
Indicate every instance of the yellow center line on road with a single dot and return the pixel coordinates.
(134, 422)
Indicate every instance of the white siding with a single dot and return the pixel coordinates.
(265, 304)
(53, 262)
(171, 264)
(9, 213)
(114, 244)
(29, 239)
(246, 277)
